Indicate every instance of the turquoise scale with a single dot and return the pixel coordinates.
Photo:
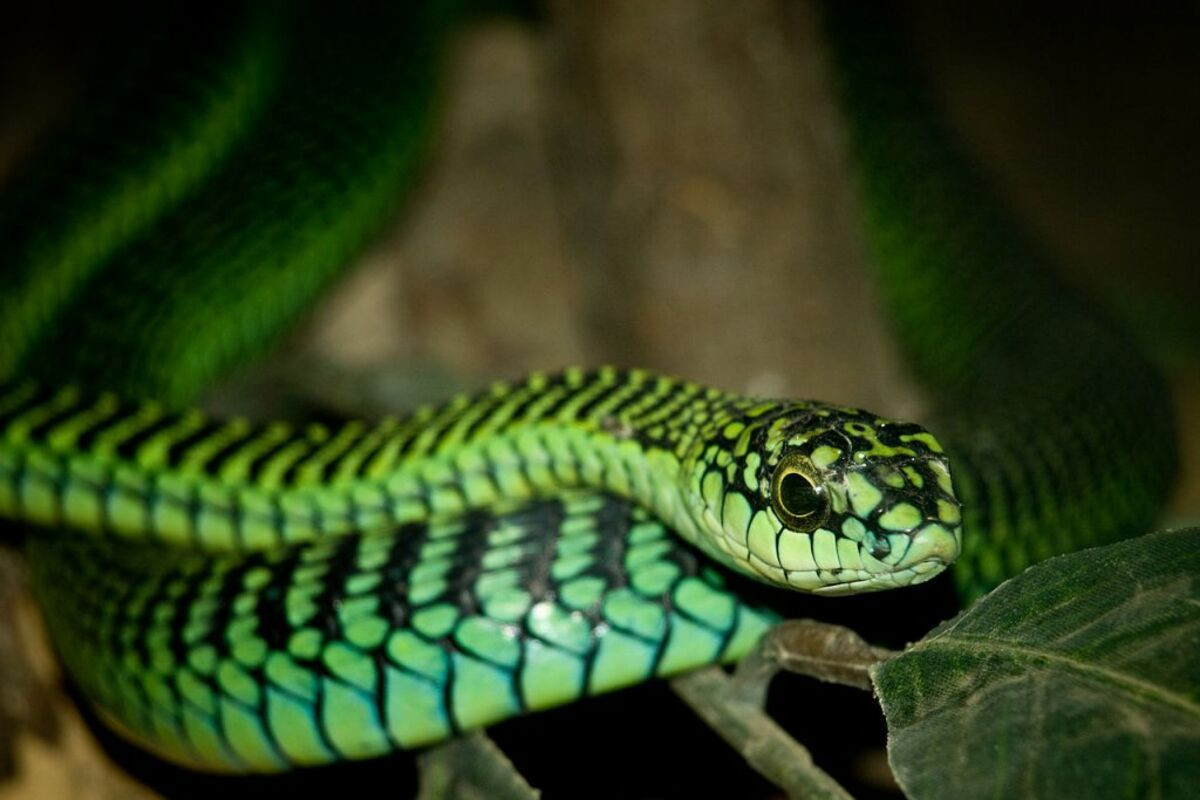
(308, 654)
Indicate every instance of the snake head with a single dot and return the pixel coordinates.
(828, 499)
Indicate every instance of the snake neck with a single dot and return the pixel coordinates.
(136, 470)
(634, 434)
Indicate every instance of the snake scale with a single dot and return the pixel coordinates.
(241, 597)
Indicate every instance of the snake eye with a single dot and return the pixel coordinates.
(797, 495)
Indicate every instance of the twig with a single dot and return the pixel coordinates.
(764, 745)
(733, 707)
(471, 767)
(819, 650)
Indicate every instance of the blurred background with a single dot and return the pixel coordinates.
(665, 185)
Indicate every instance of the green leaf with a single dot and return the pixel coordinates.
(1078, 678)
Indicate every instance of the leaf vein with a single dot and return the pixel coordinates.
(1132, 685)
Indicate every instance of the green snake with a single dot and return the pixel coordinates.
(254, 597)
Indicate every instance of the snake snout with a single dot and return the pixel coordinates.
(933, 547)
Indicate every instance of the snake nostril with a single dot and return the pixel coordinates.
(881, 548)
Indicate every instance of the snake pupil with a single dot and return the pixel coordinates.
(798, 496)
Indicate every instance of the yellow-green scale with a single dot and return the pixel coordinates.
(465, 454)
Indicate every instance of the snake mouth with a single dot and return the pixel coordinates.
(853, 581)
(930, 550)
(882, 581)
(915, 558)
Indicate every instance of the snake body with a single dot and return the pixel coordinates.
(364, 644)
(1062, 433)
(244, 597)
(294, 597)
(717, 468)
(315, 161)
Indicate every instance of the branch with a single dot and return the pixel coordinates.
(733, 707)
(471, 767)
